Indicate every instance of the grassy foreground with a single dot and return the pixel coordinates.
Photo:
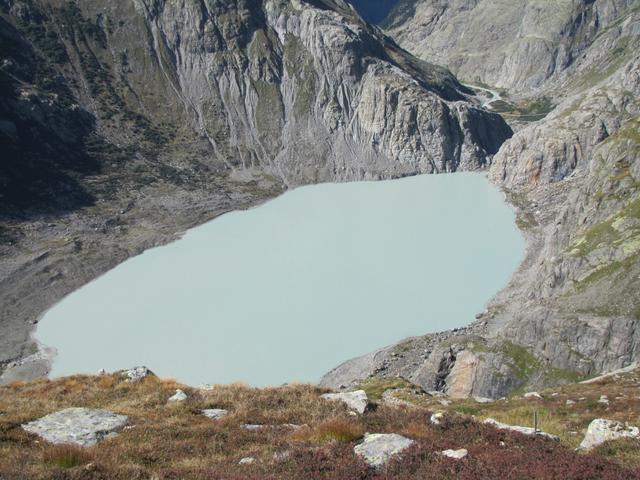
(175, 442)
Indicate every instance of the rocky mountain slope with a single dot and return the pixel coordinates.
(518, 46)
(573, 308)
(128, 122)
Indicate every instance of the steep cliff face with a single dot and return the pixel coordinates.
(130, 121)
(573, 307)
(519, 46)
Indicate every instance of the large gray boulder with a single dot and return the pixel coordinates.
(356, 401)
(601, 430)
(79, 426)
(378, 448)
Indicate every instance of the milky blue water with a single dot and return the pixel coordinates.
(286, 291)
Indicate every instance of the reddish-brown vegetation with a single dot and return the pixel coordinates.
(176, 442)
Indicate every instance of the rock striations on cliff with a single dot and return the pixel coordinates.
(519, 46)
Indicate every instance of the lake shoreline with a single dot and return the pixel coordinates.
(412, 179)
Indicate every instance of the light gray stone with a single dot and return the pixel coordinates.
(601, 430)
(80, 426)
(533, 395)
(436, 417)
(136, 374)
(523, 430)
(356, 401)
(455, 454)
(483, 399)
(179, 396)
(378, 448)
(247, 461)
(215, 413)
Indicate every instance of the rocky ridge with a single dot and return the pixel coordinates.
(521, 46)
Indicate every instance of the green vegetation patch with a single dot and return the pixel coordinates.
(375, 387)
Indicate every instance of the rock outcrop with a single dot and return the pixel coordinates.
(378, 448)
(79, 426)
(356, 401)
(601, 430)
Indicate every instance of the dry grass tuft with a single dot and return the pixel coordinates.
(67, 456)
(337, 429)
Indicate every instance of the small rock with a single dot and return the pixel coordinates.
(570, 402)
(247, 461)
(356, 401)
(604, 400)
(444, 403)
(179, 396)
(215, 413)
(436, 417)
(80, 426)
(136, 374)
(378, 448)
(455, 454)
(532, 395)
(601, 430)
(482, 400)
(252, 426)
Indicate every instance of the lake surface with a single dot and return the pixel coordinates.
(288, 290)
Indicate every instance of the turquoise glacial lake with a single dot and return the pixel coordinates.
(288, 290)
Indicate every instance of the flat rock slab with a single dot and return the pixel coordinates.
(79, 426)
(356, 401)
(523, 430)
(378, 448)
(601, 430)
(215, 413)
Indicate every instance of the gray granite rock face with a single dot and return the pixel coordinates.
(518, 45)
(80, 426)
(378, 448)
(356, 401)
(601, 430)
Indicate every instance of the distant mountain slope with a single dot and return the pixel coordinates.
(517, 45)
